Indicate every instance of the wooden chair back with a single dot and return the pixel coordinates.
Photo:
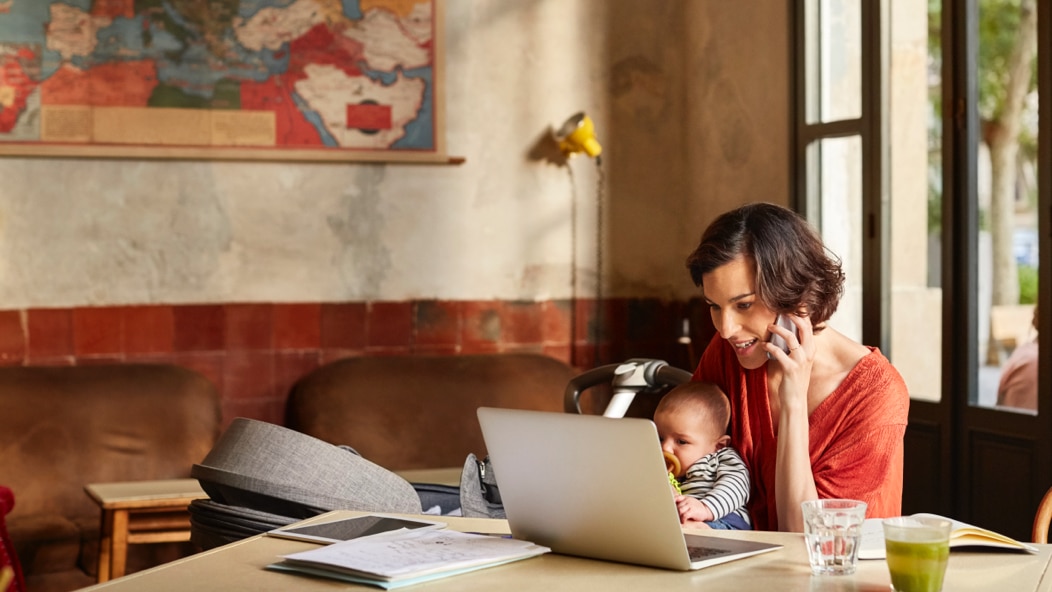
(1042, 519)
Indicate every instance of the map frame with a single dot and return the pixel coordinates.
(436, 153)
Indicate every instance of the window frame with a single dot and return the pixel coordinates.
(871, 128)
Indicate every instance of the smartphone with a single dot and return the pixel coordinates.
(351, 528)
(776, 339)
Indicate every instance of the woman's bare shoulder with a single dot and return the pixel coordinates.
(850, 367)
(846, 352)
(839, 356)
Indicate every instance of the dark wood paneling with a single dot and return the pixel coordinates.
(922, 480)
(1002, 482)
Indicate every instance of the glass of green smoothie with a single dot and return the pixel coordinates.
(917, 551)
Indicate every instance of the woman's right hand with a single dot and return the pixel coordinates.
(794, 479)
(795, 365)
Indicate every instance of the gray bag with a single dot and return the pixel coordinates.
(479, 494)
(276, 470)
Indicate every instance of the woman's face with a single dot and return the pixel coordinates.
(737, 313)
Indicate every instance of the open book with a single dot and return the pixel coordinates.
(400, 558)
(961, 535)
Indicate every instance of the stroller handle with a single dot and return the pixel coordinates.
(628, 378)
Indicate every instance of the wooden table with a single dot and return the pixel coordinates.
(239, 566)
(443, 476)
(137, 512)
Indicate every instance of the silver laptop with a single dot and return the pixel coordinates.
(595, 487)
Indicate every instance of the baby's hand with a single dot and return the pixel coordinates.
(692, 510)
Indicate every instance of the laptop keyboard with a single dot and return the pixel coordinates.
(699, 553)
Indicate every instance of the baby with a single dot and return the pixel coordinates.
(692, 424)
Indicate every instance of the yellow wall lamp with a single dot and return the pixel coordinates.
(576, 135)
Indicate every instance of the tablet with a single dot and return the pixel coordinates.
(351, 528)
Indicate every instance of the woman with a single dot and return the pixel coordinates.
(1018, 384)
(822, 418)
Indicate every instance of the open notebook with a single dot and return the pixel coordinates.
(961, 535)
(595, 487)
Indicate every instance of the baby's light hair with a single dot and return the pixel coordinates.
(704, 397)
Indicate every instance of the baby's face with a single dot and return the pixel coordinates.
(689, 436)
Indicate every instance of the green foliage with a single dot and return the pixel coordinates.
(935, 116)
(1027, 284)
(998, 31)
(935, 28)
(934, 210)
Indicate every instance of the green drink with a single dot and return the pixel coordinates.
(917, 552)
(917, 566)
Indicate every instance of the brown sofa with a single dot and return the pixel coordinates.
(64, 427)
(418, 412)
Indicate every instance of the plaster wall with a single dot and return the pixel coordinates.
(691, 102)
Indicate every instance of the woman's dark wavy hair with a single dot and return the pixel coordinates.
(794, 269)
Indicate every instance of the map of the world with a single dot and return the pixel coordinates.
(335, 76)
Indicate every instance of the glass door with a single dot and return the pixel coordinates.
(915, 134)
(918, 139)
(963, 134)
(1007, 187)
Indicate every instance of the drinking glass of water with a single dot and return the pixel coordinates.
(832, 530)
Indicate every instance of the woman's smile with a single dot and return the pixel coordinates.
(741, 346)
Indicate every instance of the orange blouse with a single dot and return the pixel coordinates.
(856, 434)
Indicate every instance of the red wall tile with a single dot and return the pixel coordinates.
(148, 329)
(389, 324)
(481, 325)
(100, 359)
(211, 365)
(249, 327)
(343, 325)
(50, 333)
(522, 348)
(149, 358)
(249, 375)
(389, 350)
(331, 355)
(199, 327)
(437, 323)
(435, 350)
(480, 347)
(521, 323)
(52, 361)
(98, 331)
(557, 321)
(12, 337)
(297, 326)
(254, 353)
